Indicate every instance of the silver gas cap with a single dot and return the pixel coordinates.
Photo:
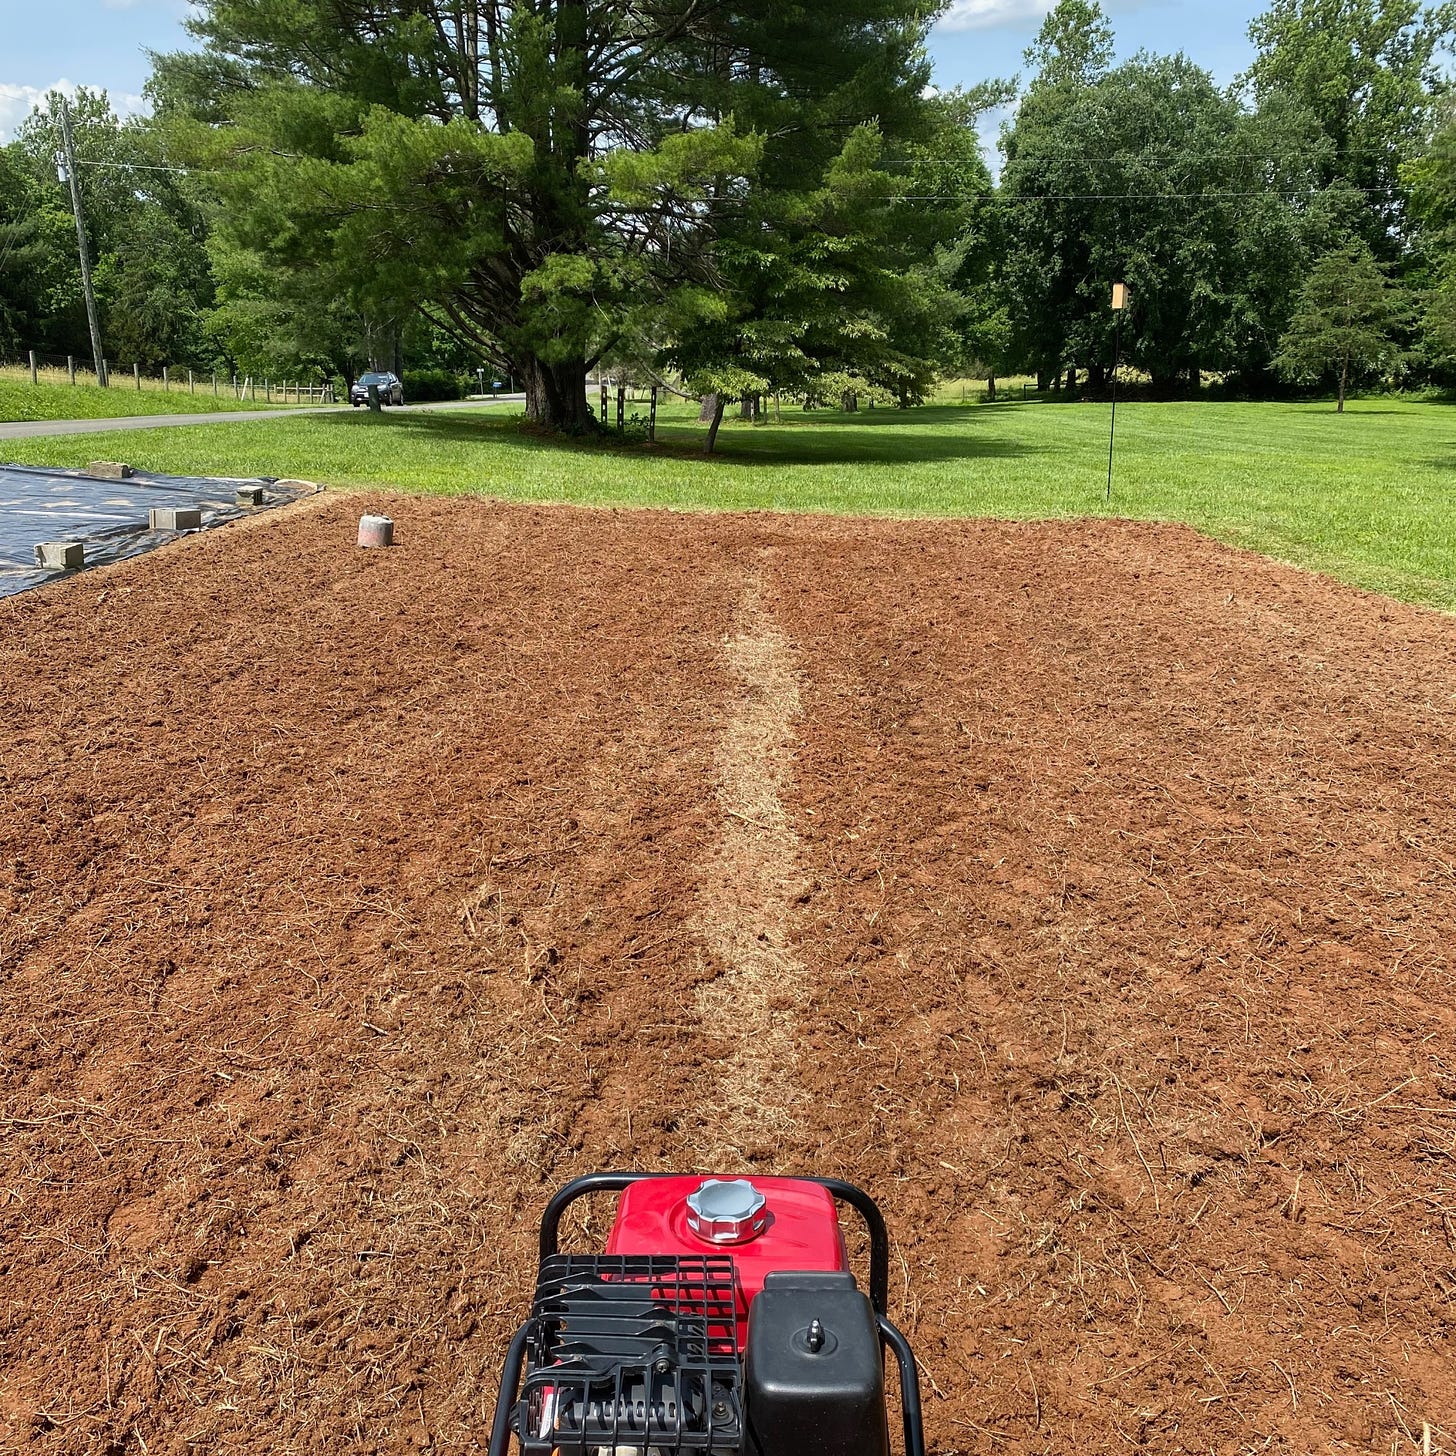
(726, 1211)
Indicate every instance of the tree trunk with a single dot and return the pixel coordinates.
(556, 396)
(1043, 380)
(1097, 377)
(746, 407)
(1071, 379)
(1344, 380)
(711, 407)
(990, 389)
(718, 403)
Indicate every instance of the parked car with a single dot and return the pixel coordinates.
(391, 391)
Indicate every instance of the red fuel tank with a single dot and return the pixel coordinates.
(795, 1227)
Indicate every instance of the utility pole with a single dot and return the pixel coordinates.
(81, 243)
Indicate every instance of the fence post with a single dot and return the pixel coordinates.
(33, 378)
(604, 403)
(267, 391)
(166, 380)
(71, 367)
(652, 416)
(136, 370)
(621, 404)
(214, 383)
(191, 383)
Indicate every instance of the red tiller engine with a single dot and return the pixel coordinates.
(722, 1318)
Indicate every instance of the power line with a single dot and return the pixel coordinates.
(1000, 195)
(1324, 154)
(148, 167)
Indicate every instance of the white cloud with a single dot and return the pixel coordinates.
(18, 101)
(990, 14)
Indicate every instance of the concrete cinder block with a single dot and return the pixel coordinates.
(60, 555)
(170, 518)
(250, 495)
(110, 470)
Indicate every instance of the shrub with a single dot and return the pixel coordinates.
(424, 385)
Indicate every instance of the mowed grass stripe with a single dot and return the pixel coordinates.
(1364, 496)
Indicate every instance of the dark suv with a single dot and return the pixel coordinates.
(391, 391)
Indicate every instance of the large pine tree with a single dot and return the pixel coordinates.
(548, 179)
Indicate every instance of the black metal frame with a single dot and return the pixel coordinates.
(890, 1338)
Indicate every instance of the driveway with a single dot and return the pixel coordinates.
(25, 429)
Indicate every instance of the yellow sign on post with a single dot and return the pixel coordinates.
(1119, 297)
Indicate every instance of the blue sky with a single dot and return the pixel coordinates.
(102, 42)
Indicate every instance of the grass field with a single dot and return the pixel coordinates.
(22, 400)
(1365, 496)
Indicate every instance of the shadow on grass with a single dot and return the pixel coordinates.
(822, 438)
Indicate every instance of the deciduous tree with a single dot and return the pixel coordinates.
(1368, 72)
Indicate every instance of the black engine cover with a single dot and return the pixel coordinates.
(805, 1401)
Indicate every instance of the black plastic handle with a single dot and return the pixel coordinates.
(857, 1199)
(899, 1346)
(505, 1405)
(563, 1198)
(874, 1220)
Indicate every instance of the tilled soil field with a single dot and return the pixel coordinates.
(1084, 891)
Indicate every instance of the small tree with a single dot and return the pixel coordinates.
(1346, 319)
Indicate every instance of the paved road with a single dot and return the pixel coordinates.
(25, 429)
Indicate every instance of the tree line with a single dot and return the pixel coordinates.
(752, 198)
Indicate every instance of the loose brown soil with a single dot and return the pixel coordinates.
(1104, 884)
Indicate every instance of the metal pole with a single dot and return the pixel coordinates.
(82, 246)
(1112, 432)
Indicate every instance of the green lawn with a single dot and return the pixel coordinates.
(22, 400)
(1366, 496)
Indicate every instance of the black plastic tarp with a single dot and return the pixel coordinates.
(108, 517)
